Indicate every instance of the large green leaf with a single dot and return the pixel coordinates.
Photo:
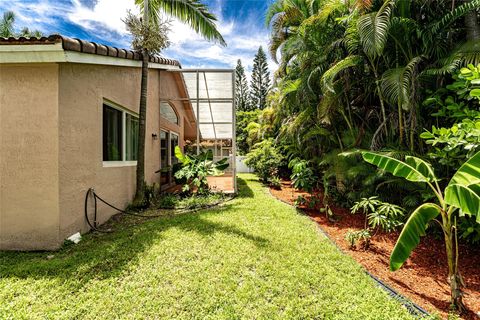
(413, 169)
(373, 29)
(410, 236)
(191, 12)
(180, 156)
(463, 191)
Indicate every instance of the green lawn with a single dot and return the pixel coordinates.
(253, 258)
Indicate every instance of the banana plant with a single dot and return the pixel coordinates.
(462, 196)
(196, 168)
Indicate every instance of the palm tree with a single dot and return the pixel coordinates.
(7, 27)
(6, 24)
(196, 15)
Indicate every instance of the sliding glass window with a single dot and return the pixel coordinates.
(120, 135)
(132, 138)
(112, 134)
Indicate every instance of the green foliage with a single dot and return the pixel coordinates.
(462, 192)
(196, 169)
(7, 27)
(379, 214)
(260, 82)
(410, 236)
(241, 89)
(275, 182)
(361, 237)
(265, 159)
(453, 146)
(253, 258)
(244, 129)
(303, 177)
(167, 201)
(150, 36)
(191, 12)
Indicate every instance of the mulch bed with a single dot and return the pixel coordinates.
(422, 278)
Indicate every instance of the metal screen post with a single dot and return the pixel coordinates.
(198, 114)
(234, 134)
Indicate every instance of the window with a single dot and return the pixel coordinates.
(168, 142)
(120, 135)
(167, 112)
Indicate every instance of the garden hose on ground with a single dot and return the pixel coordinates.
(93, 226)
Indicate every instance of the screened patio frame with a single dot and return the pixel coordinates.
(211, 93)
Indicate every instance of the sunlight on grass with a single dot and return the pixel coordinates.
(255, 257)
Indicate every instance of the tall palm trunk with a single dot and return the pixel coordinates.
(472, 26)
(139, 194)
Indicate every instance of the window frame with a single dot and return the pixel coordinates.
(124, 111)
(174, 109)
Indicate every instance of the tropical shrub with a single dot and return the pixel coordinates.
(460, 197)
(453, 146)
(265, 159)
(244, 118)
(196, 168)
(303, 177)
(379, 214)
(275, 182)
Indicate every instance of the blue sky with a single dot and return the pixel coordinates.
(240, 21)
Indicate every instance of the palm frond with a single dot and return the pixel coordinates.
(191, 12)
(6, 24)
(373, 29)
(396, 83)
(330, 75)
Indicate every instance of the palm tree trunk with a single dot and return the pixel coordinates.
(139, 194)
(472, 26)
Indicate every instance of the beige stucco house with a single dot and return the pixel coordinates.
(68, 122)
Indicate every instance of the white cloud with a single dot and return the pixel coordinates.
(105, 12)
(104, 19)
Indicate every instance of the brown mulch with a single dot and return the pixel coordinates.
(422, 279)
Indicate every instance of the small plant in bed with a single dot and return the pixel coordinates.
(275, 183)
(378, 215)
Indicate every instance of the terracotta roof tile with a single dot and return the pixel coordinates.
(78, 45)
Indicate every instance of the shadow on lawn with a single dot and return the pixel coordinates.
(244, 190)
(101, 256)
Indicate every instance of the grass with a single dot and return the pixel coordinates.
(253, 258)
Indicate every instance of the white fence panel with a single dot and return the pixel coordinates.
(241, 166)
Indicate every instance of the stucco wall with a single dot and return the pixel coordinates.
(83, 89)
(51, 146)
(29, 206)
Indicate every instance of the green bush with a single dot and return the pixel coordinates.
(275, 183)
(303, 177)
(196, 168)
(265, 159)
(167, 201)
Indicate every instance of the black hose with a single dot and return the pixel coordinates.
(94, 226)
(96, 196)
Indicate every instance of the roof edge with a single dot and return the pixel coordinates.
(83, 46)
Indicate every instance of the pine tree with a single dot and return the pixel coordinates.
(241, 88)
(260, 80)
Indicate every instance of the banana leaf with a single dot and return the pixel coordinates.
(414, 169)
(463, 191)
(410, 236)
